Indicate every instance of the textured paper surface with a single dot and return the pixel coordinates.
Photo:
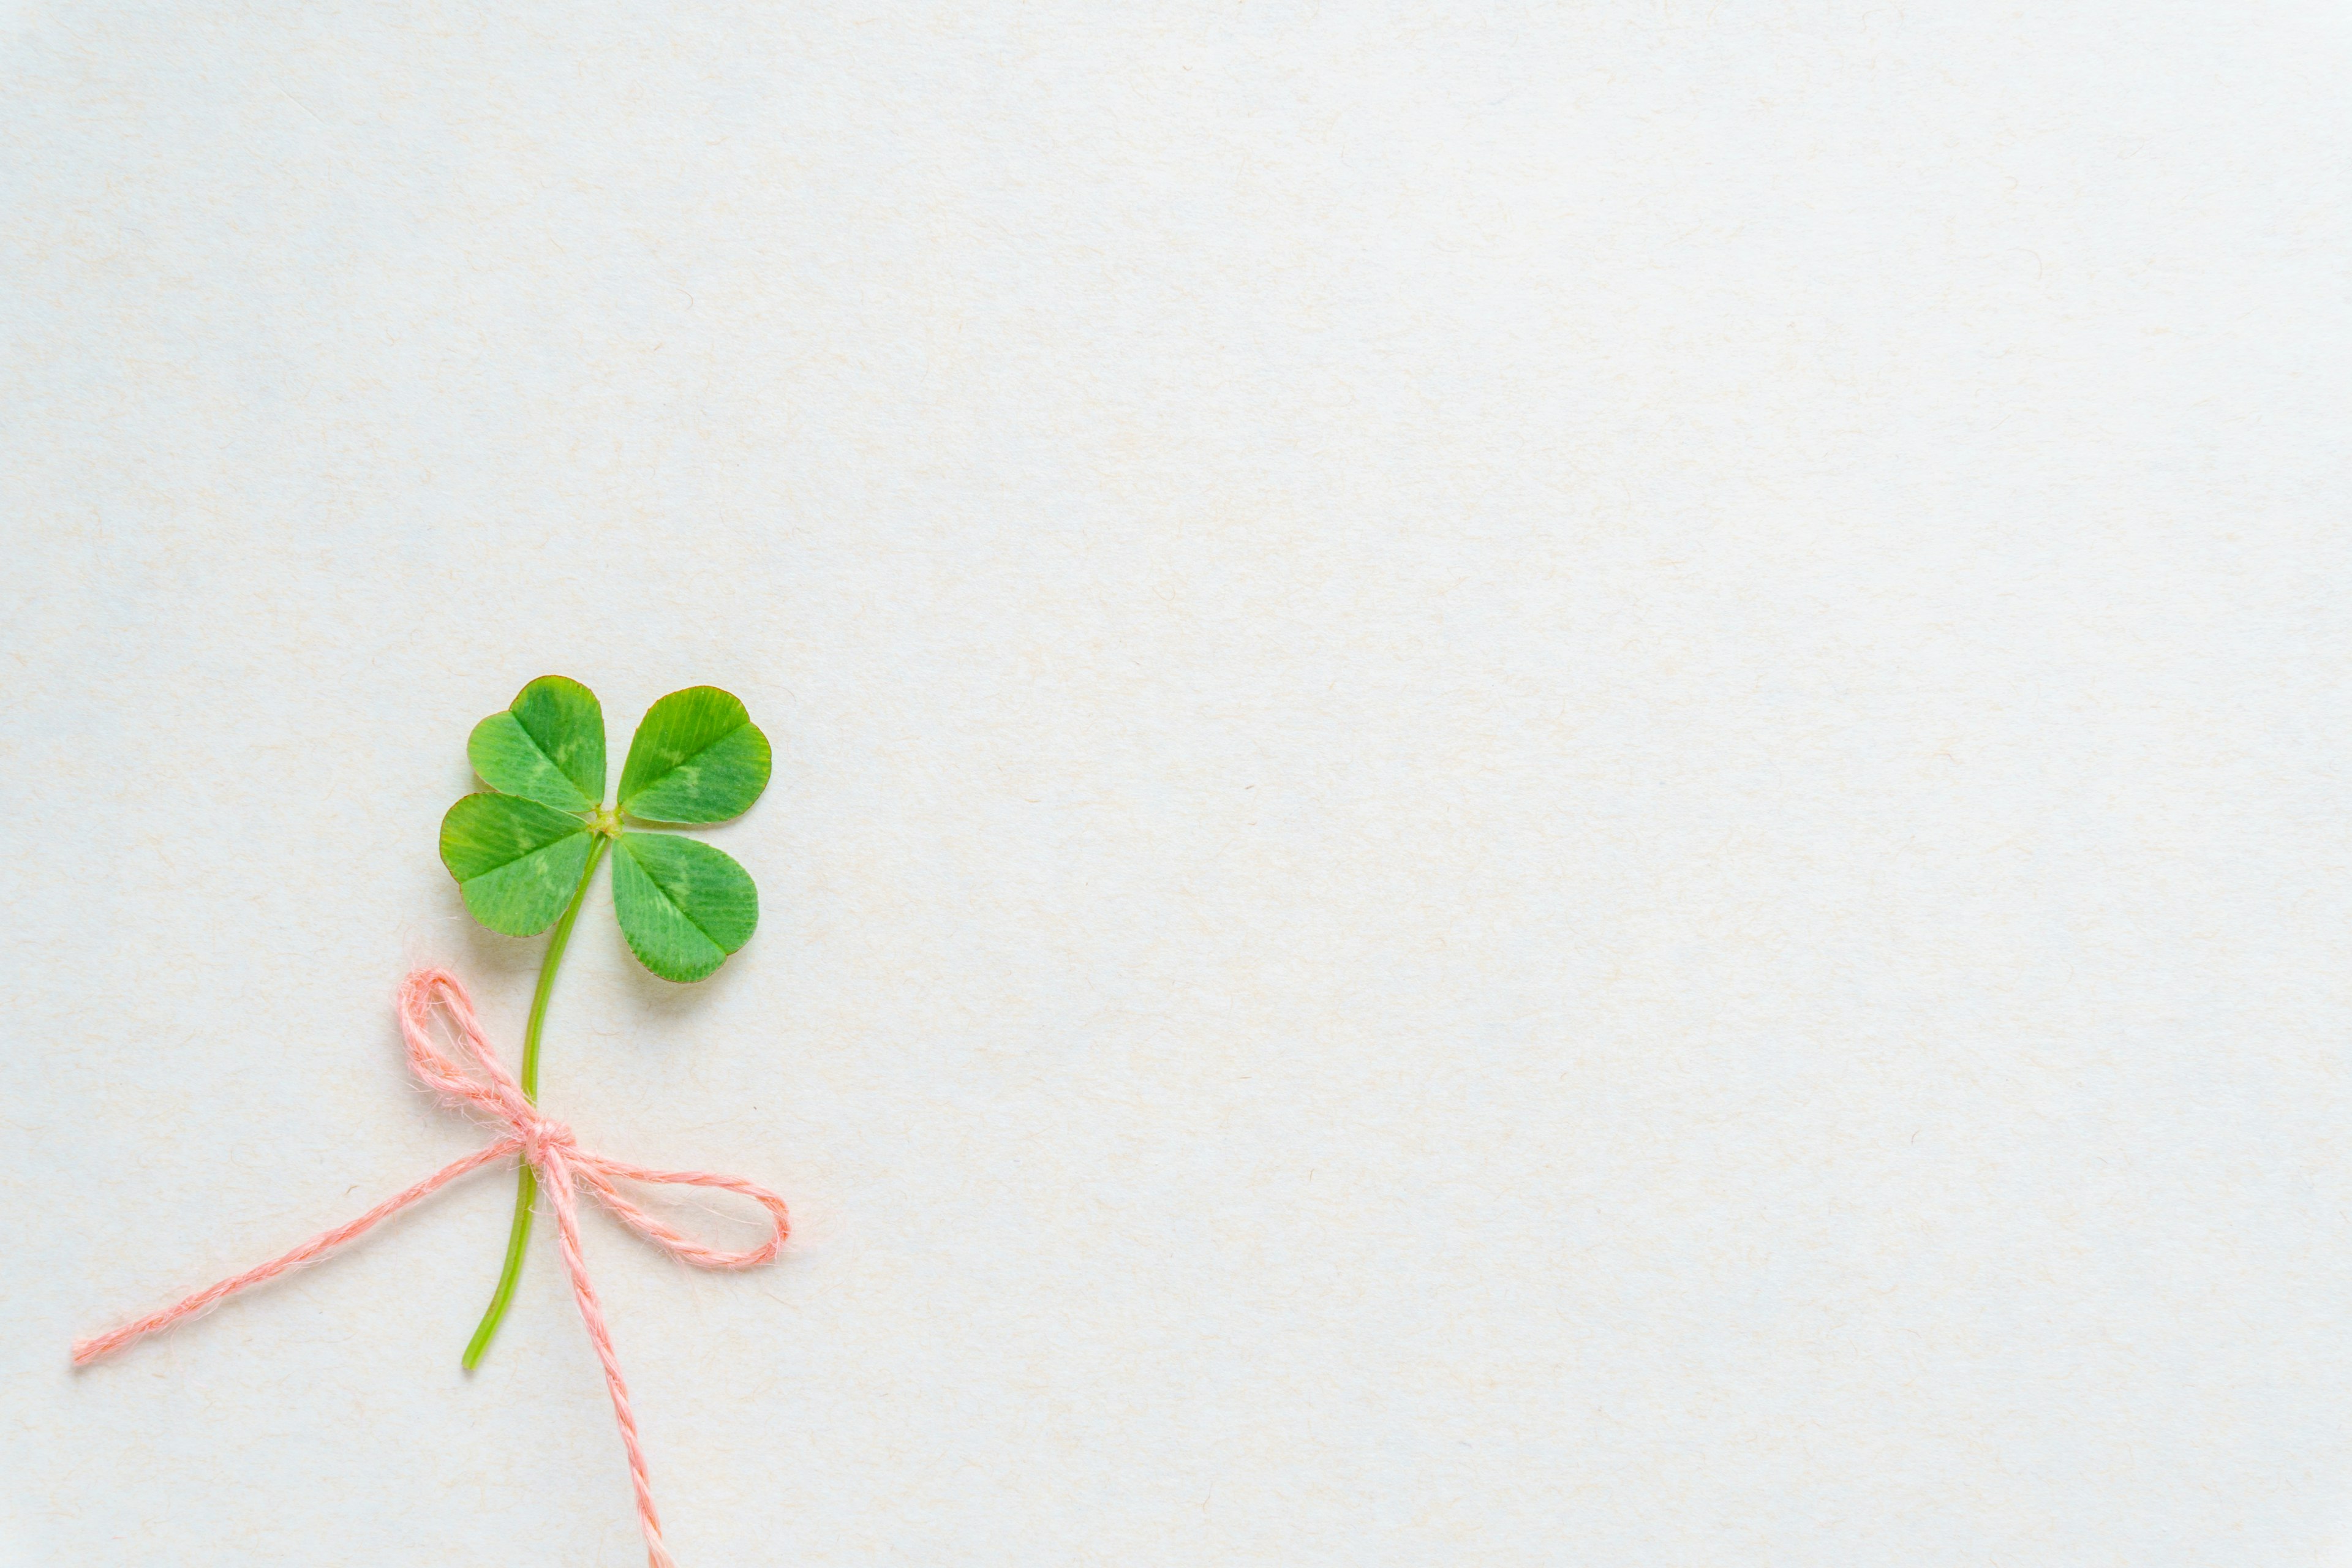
(1555, 785)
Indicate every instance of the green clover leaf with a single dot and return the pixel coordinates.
(683, 905)
(548, 747)
(516, 861)
(523, 851)
(697, 757)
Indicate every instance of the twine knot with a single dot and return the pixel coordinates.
(564, 1167)
(535, 1135)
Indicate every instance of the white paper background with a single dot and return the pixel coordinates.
(1554, 785)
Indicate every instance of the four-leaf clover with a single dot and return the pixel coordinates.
(523, 852)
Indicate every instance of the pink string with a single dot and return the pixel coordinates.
(563, 1166)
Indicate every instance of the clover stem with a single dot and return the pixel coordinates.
(526, 1178)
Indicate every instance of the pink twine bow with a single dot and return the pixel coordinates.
(563, 1166)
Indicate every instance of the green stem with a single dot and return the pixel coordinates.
(527, 1179)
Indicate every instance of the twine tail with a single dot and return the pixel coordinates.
(557, 1169)
(90, 1350)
